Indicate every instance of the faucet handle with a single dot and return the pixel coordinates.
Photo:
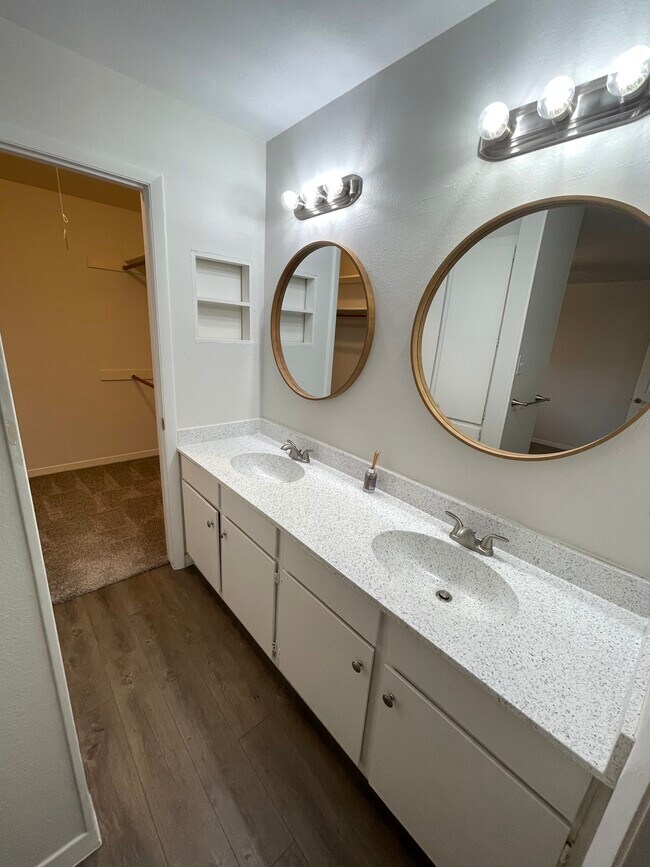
(486, 542)
(459, 523)
(288, 445)
(305, 455)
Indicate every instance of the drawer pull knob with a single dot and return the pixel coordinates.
(357, 665)
(223, 535)
(389, 699)
(210, 523)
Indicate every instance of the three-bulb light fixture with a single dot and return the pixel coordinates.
(565, 111)
(330, 193)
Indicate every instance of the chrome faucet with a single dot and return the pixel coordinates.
(295, 453)
(467, 537)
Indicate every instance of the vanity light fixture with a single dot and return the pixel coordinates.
(494, 122)
(631, 74)
(311, 195)
(556, 101)
(331, 193)
(290, 200)
(567, 111)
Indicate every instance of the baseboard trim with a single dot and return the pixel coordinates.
(74, 852)
(92, 462)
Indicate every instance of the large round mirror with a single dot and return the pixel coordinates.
(322, 320)
(532, 340)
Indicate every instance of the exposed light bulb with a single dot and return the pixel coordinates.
(289, 200)
(333, 186)
(494, 122)
(311, 195)
(631, 74)
(556, 101)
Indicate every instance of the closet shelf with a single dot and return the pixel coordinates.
(220, 303)
(356, 312)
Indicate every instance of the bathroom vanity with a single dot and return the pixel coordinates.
(493, 724)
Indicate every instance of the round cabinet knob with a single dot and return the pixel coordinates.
(637, 400)
(210, 523)
(223, 535)
(389, 699)
(357, 665)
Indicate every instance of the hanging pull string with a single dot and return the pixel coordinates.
(63, 216)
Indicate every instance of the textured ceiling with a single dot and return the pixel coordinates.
(260, 65)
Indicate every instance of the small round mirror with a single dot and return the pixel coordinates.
(322, 320)
(532, 340)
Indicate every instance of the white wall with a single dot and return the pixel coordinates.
(214, 194)
(63, 322)
(410, 131)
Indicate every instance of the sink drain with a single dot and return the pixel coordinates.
(445, 595)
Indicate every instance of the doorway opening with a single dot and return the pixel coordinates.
(75, 326)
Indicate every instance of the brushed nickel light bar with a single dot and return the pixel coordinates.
(565, 111)
(331, 194)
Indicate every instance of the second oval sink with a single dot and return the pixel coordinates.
(440, 569)
(269, 468)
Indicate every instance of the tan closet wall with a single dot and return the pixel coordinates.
(66, 320)
(350, 330)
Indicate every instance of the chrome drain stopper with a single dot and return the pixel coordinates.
(445, 595)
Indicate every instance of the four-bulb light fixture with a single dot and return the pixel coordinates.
(330, 193)
(565, 111)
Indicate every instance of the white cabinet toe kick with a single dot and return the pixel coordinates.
(473, 783)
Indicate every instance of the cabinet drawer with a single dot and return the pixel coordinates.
(316, 652)
(260, 529)
(534, 759)
(331, 589)
(248, 583)
(458, 802)
(201, 480)
(202, 535)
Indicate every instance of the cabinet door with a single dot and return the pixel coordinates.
(319, 655)
(248, 583)
(462, 807)
(202, 535)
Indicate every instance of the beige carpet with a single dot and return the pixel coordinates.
(99, 525)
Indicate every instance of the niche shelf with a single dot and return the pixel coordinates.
(297, 315)
(222, 295)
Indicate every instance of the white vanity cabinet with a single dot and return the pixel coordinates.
(460, 804)
(234, 549)
(472, 781)
(326, 662)
(202, 535)
(248, 583)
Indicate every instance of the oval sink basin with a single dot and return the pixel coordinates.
(436, 569)
(269, 468)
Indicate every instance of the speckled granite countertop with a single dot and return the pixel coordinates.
(572, 664)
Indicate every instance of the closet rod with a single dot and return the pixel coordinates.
(130, 264)
(143, 381)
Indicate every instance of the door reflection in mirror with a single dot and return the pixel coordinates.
(537, 341)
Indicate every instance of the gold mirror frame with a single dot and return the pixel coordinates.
(276, 311)
(432, 287)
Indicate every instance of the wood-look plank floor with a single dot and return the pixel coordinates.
(196, 751)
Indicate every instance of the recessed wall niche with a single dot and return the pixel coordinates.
(222, 297)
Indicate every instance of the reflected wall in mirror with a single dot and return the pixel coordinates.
(532, 341)
(322, 320)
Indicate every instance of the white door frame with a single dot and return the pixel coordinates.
(34, 145)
